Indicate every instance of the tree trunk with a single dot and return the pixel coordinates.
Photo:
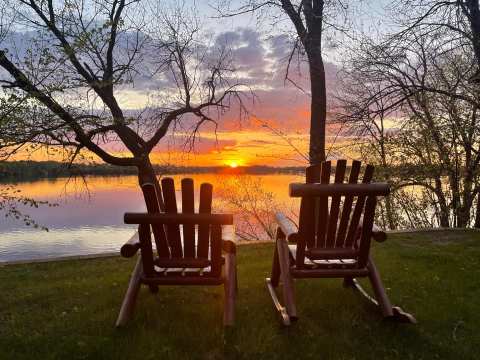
(442, 202)
(463, 217)
(390, 214)
(318, 116)
(474, 20)
(146, 175)
(392, 224)
(477, 213)
(464, 209)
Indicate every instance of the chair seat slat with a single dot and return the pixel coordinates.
(331, 253)
(325, 263)
(183, 262)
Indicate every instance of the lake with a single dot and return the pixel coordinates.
(89, 215)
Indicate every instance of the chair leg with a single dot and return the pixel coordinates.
(275, 277)
(287, 280)
(379, 290)
(230, 285)
(276, 302)
(388, 311)
(128, 304)
(236, 277)
(281, 269)
(348, 282)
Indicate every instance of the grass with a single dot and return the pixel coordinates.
(66, 310)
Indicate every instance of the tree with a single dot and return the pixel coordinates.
(311, 20)
(68, 61)
(426, 91)
(12, 201)
(366, 117)
(252, 205)
(460, 19)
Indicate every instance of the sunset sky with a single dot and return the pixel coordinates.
(279, 112)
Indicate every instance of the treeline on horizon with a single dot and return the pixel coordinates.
(27, 170)
(30, 170)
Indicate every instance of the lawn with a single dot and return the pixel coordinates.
(67, 310)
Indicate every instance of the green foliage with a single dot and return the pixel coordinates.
(62, 310)
(10, 200)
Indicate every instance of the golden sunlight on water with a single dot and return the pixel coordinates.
(64, 189)
(89, 218)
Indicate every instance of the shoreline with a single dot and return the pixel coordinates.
(28, 171)
(238, 243)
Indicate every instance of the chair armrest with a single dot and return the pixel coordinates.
(378, 234)
(229, 247)
(170, 219)
(228, 240)
(288, 227)
(131, 247)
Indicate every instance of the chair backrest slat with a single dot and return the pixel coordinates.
(151, 200)
(357, 212)
(347, 205)
(343, 228)
(173, 231)
(188, 207)
(216, 248)
(326, 168)
(307, 219)
(202, 251)
(335, 205)
(145, 238)
(307, 223)
(312, 174)
(205, 206)
(366, 235)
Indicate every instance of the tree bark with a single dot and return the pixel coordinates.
(477, 213)
(392, 224)
(473, 15)
(464, 216)
(442, 202)
(146, 175)
(318, 107)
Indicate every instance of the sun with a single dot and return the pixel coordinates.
(233, 164)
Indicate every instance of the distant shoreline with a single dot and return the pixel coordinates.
(13, 171)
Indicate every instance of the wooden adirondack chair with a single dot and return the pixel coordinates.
(192, 259)
(333, 237)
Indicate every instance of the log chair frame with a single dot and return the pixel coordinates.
(328, 236)
(198, 260)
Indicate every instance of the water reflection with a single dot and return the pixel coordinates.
(89, 218)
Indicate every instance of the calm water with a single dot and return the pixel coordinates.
(89, 218)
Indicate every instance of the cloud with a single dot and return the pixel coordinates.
(246, 47)
(261, 62)
(202, 144)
